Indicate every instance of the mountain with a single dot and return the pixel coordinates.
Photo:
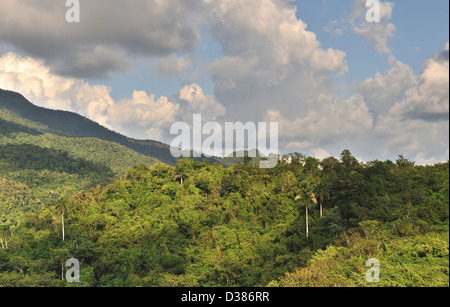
(68, 124)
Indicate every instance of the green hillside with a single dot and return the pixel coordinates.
(204, 225)
(41, 160)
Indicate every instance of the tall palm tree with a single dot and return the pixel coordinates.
(307, 198)
(3, 236)
(322, 192)
(61, 207)
(182, 170)
(181, 174)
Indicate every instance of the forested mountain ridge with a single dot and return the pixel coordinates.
(303, 223)
(68, 124)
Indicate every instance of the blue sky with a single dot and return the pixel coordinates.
(422, 28)
(139, 66)
(419, 24)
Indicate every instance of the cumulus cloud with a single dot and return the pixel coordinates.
(429, 99)
(146, 116)
(273, 69)
(382, 92)
(336, 27)
(337, 120)
(143, 113)
(427, 96)
(33, 79)
(193, 100)
(109, 32)
(320, 153)
(269, 60)
(416, 116)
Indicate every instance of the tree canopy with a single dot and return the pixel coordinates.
(242, 226)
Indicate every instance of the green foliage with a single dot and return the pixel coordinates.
(411, 261)
(242, 226)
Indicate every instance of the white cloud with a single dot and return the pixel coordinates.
(194, 100)
(429, 98)
(270, 68)
(297, 145)
(142, 114)
(425, 97)
(334, 121)
(34, 80)
(336, 27)
(382, 92)
(273, 69)
(414, 115)
(421, 159)
(269, 61)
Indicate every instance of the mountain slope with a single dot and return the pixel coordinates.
(68, 124)
(44, 156)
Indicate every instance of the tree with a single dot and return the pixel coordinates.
(4, 246)
(402, 162)
(183, 169)
(348, 161)
(322, 192)
(61, 207)
(307, 197)
(311, 167)
(330, 165)
(297, 158)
